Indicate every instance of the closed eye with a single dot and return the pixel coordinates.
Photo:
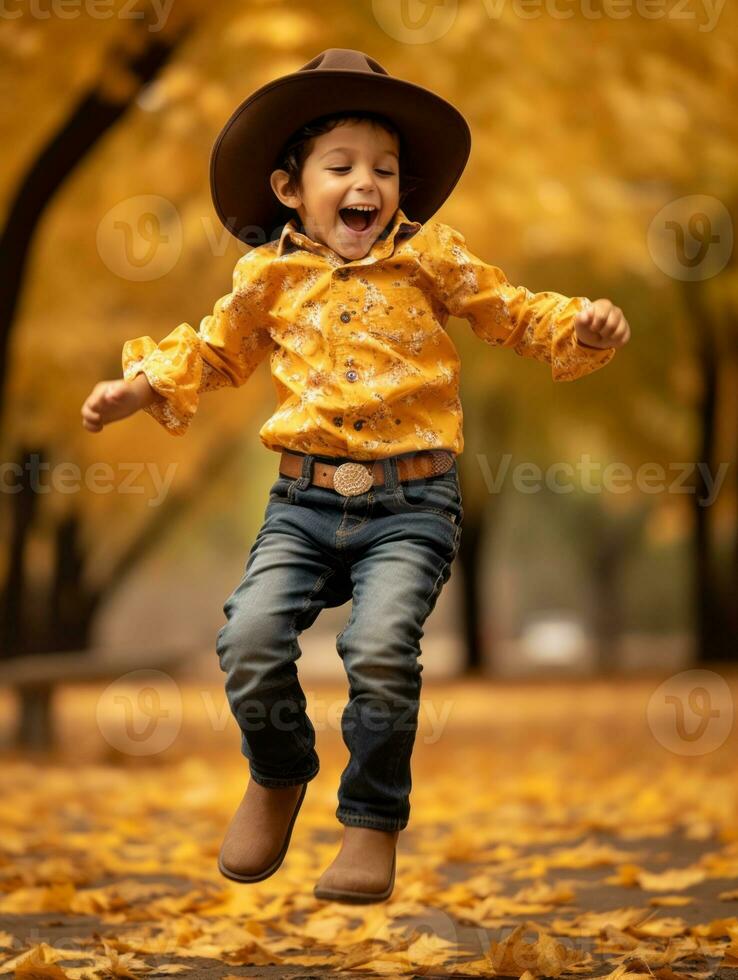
(386, 173)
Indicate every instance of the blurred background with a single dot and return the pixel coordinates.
(579, 667)
(600, 516)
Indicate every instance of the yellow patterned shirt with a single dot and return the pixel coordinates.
(361, 361)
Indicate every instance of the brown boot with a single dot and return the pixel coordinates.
(364, 870)
(259, 833)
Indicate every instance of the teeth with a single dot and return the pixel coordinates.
(361, 207)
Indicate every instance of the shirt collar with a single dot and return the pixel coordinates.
(401, 226)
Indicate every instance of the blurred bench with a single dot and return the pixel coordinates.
(34, 678)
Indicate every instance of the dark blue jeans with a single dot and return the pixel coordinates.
(390, 550)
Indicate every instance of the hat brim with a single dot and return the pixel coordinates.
(436, 143)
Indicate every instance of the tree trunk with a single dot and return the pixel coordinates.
(711, 621)
(34, 729)
(72, 609)
(607, 619)
(491, 425)
(23, 503)
(92, 117)
(65, 621)
(471, 552)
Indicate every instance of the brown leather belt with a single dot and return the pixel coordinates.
(357, 476)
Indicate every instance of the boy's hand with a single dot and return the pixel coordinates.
(602, 325)
(112, 400)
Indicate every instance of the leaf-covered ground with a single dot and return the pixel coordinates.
(557, 829)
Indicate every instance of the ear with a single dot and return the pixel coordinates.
(280, 181)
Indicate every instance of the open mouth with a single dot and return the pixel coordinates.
(359, 220)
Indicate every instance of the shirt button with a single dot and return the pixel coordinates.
(352, 375)
(345, 316)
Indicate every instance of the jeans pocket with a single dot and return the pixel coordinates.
(280, 489)
(435, 495)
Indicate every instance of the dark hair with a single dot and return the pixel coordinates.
(297, 148)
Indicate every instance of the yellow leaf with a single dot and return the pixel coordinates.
(671, 900)
(671, 880)
(40, 963)
(546, 956)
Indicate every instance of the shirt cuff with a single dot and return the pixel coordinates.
(140, 356)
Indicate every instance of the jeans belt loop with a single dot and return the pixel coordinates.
(303, 481)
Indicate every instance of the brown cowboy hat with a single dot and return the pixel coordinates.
(436, 138)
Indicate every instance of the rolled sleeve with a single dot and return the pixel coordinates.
(536, 325)
(225, 350)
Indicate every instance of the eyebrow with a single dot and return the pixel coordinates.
(347, 149)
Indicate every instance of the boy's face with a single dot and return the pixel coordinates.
(354, 163)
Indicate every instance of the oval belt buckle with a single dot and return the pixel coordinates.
(351, 479)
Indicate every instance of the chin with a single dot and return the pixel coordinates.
(357, 250)
(355, 253)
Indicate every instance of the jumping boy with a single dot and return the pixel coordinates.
(337, 170)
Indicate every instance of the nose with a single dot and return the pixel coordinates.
(364, 178)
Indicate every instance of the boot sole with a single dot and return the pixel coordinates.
(275, 865)
(358, 898)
